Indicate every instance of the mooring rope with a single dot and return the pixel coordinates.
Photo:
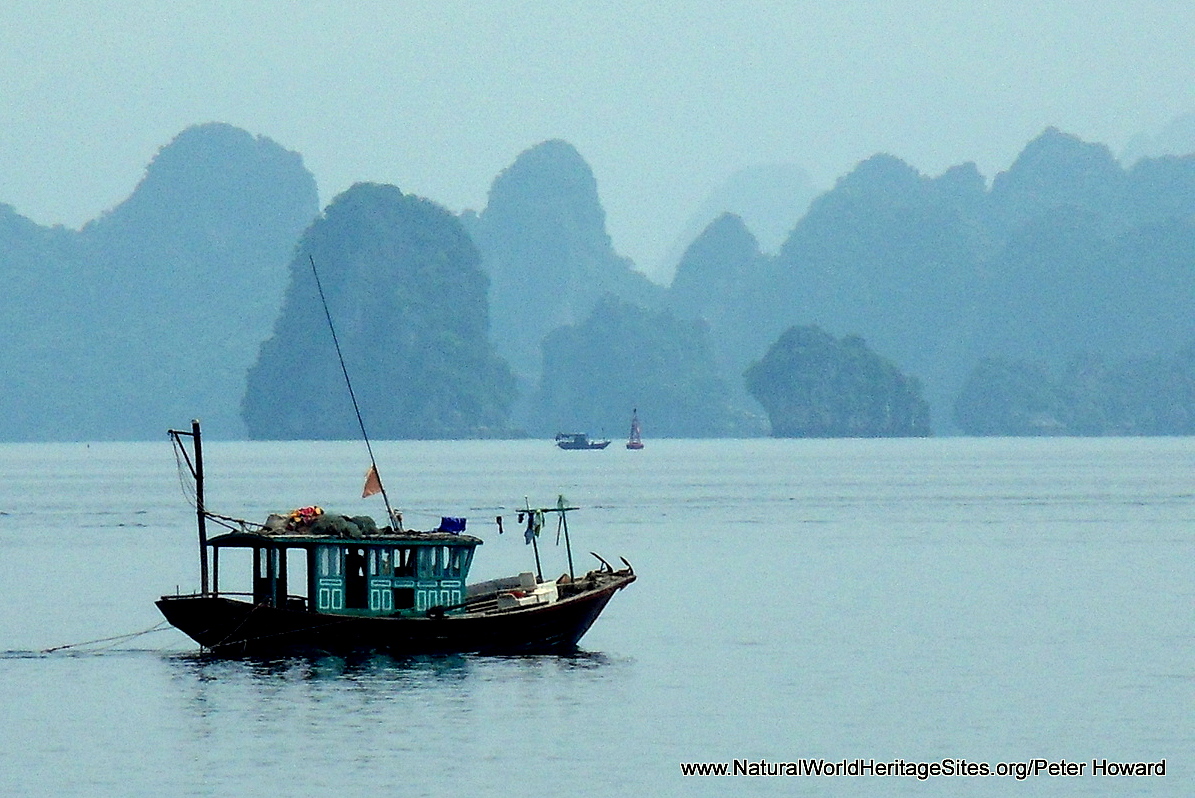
(159, 627)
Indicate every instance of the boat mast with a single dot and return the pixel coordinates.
(196, 468)
(393, 519)
(568, 548)
(200, 513)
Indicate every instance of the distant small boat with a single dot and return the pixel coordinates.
(578, 440)
(635, 441)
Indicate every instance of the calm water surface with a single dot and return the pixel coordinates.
(987, 600)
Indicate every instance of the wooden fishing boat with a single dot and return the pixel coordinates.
(391, 590)
(578, 440)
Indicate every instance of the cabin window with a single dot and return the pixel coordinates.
(356, 591)
(384, 559)
(328, 561)
(427, 560)
(452, 562)
(269, 562)
(460, 560)
(404, 562)
(237, 569)
(354, 562)
(295, 566)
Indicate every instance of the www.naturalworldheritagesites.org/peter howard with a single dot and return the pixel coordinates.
(924, 770)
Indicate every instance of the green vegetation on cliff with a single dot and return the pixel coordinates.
(622, 357)
(544, 245)
(408, 298)
(813, 386)
(1090, 396)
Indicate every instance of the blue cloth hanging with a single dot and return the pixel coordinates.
(453, 525)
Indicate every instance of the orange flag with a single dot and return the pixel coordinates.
(373, 483)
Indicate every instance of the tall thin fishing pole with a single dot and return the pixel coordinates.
(352, 394)
(568, 547)
(539, 571)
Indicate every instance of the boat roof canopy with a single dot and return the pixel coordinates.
(384, 537)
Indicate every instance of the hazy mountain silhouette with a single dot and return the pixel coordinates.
(1102, 265)
(769, 199)
(892, 256)
(1176, 137)
(1090, 396)
(623, 357)
(407, 294)
(543, 242)
(718, 281)
(154, 312)
(1067, 252)
(151, 314)
(1057, 170)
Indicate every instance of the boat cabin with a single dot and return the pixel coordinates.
(385, 574)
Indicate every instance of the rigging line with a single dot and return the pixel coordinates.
(157, 628)
(228, 521)
(244, 620)
(352, 394)
(187, 486)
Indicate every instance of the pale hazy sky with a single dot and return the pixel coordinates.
(664, 99)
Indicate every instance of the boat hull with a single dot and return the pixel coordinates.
(231, 627)
(578, 440)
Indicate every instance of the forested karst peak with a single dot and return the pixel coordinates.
(715, 281)
(1057, 169)
(814, 386)
(408, 297)
(718, 260)
(216, 174)
(549, 183)
(544, 244)
(1056, 161)
(623, 357)
(881, 174)
(153, 312)
(769, 198)
(1066, 253)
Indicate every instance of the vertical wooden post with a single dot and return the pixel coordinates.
(539, 571)
(201, 516)
(568, 548)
